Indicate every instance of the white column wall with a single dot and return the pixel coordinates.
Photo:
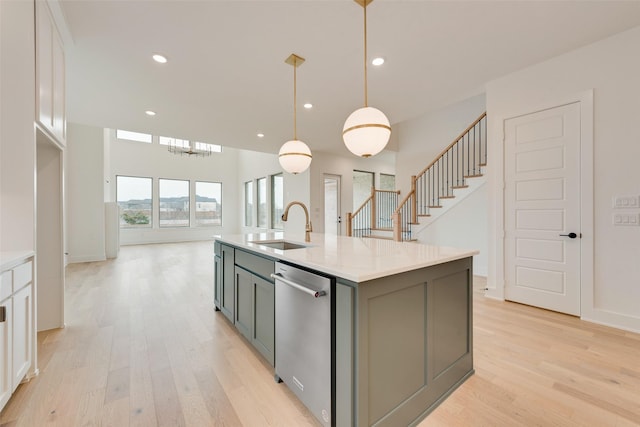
(611, 68)
(85, 181)
(17, 132)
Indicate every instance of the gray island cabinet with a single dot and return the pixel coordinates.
(402, 311)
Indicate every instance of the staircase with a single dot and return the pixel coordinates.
(447, 176)
(373, 217)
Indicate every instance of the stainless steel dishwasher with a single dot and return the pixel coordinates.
(304, 326)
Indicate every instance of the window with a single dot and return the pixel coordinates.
(362, 184)
(208, 203)
(134, 198)
(262, 202)
(205, 146)
(133, 136)
(174, 202)
(277, 201)
(248, 203)
(387, 182)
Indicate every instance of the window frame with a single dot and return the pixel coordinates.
(195, 204)
(118, 138)
(160, 225)
(276, 222)
(264, 225)
(151, 208)
(248, 209)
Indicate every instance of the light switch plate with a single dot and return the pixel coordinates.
(626, 219)
(626, 202)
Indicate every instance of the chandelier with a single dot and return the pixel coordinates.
(185, 148)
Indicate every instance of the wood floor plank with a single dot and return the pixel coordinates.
(144, 347)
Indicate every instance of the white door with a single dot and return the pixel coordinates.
(542, 209)
(332, 218)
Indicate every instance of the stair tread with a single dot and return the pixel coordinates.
(447, 197)
(424, 214)
(482, 164)
(473, 176)
(371, 236)
(434, 207)
(387, 238)
(455, 187)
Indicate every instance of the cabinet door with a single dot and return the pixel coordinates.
(44, 58)
(50, 75)
(22, 331)
(244, 302)
(5, 353)
(217, 281)
(59, 118)
(263, 337)
(228, 288)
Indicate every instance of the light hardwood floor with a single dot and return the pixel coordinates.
(144, 347)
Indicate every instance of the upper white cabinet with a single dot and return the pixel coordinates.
(50, 75)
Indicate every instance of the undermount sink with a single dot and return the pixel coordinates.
(278, 244)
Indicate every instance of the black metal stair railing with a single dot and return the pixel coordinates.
(462, 159)
(374, 213)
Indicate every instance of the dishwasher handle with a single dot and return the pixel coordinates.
(315, 294)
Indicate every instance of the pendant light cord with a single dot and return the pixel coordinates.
(295, 129)
(366, 98)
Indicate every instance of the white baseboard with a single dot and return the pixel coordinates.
(73, 259)
(614, 320)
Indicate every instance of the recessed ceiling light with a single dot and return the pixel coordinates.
(308, 105)
(377, 61)
(150, 113)
(160, 58)
(260, 135)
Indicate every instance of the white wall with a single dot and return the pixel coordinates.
(421, 139)
(464, 226)
(153, 160)
(325, 163)
(611, 68)
(17, 133)
(84, 171)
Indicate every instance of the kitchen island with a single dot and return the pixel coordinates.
(401, 317)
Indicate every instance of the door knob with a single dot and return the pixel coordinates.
(570, 235)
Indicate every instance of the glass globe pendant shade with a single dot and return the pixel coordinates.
(294, 156)
(366, 132)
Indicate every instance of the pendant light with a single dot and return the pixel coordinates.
(294, 155)
(366, 131)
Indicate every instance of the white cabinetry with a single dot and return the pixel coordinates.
(6, 306)
(17, 334)
(50, 69)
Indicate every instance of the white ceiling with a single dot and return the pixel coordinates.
(226, 78)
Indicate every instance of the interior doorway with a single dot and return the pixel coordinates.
(49, 233)
(543, 209)
(332, 216)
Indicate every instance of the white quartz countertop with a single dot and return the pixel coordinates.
(9, 259)
(352, 258)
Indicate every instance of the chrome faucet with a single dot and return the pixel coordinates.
(308, 229)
